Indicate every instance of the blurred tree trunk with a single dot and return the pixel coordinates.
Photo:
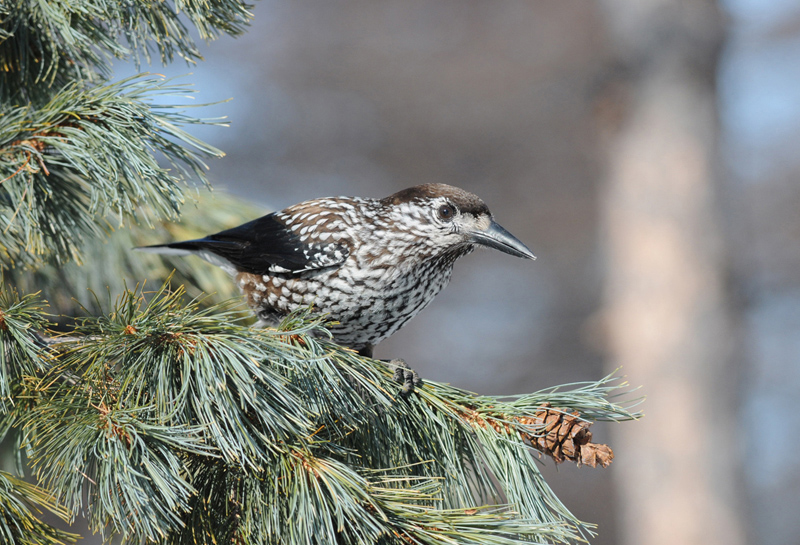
(666, 316)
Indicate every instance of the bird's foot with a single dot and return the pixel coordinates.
(406, 376)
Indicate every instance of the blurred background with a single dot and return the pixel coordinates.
(646, 151)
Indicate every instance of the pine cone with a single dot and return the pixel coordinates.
(564, 436)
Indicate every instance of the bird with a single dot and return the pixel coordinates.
(370, 265)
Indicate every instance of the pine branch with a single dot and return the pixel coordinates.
(20, 355)
(17, 521)
(75, 150)
(308, 498)
(46, 45)
(258, 436)
(88, 154)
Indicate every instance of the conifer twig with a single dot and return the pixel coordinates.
(284, 418)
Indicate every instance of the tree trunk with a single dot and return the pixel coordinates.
(666, 318)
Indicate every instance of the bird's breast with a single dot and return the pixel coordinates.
(369, 297)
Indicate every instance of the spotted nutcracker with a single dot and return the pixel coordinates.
(369, 264)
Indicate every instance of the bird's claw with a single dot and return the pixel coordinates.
(406, 376)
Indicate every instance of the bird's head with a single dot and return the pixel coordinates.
(450, 219)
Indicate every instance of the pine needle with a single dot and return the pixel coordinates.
(179, 423)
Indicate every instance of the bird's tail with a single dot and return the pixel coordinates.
(201, 247)
(187, 247)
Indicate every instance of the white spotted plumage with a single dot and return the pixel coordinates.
(371, 294)
(370, 265)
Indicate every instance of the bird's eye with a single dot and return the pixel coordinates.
(446, 212)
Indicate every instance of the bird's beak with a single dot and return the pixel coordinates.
(498, 238)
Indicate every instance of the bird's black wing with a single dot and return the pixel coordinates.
(267, 245)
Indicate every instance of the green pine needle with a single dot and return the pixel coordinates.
(48, 44)
(173, 422)
(18, 523)
(88, 154)
(20, 356)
